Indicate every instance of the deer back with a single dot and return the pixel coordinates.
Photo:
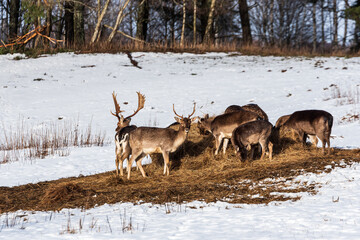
(251, 132)
(281, 121)
(310, 121)
(152, 139)
(256, 109)
(227, 122)
(233, 108)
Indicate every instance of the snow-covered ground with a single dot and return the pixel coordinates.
(71, 88)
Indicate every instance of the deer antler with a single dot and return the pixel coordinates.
(176, 113)
(141, 102)
(117, 107)
(193, 111)
(183, 116)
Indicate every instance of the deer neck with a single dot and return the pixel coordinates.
(181, 135)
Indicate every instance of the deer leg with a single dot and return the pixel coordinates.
(270, 147)
(264, 149)
(252, 151)
(124, 155)
(166, 163)
(133, 157)
(218, 140)
(139, 166)
(328, 143)
(117, 159)
(225, 143)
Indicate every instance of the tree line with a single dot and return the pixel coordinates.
(319, 25)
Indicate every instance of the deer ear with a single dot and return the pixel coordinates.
(194, 119)
(177, 119)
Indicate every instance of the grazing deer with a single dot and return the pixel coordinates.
(148, 140)
(122, 151)
(256, 132)
(249, 107)
(233, 108)
(204, 124)
(311, 122)
(223, 125)
(281, 121)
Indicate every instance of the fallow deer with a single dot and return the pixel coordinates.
(281, 121)
(312, 122)
(148, 140)
(122, 152)
(223, 125)
(255, 132)
(233, 108)
(248, 107)
(204, 124)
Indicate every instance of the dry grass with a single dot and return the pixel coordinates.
(188, 47)
(196, 174)
(30, 142)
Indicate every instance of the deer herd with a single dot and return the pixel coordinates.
(246, 126)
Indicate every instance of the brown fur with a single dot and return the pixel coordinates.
(223, 125)
(312, 122)
(248, 107)
(256, 132)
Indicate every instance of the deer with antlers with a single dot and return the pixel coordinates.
(122, 150)
(148, 140)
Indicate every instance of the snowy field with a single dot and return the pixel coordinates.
(79, 87)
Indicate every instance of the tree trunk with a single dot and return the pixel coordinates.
(194, 24)
(207, 37)
(314, 26)
(322, 25)
(172, 26)
(245, 21)
(79, 31)
(14, 18)
(345, 24)
(281, 22)
(60, 23)
(69, 23)
(38, 40)
(48, 20)
(183, 24)
(335, 41)
(272, 22)
(119, 19)
(95, 36)
(142, 20)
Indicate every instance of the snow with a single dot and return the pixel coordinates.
(72, 89)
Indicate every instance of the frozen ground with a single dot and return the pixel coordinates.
(70, 87)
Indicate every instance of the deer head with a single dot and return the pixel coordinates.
(125, 121)
(185, 122)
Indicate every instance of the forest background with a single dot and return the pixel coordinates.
(276, 27)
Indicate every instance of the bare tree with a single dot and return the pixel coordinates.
(119, 19)
(245, 21)
(101, 14)
(335, 21)
(207, 37)
(183, 24)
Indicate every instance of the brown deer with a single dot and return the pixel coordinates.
(148, 140)
(122, 151)
(256, 132)
(281, 121)
(249, 107)
(233, 108)
(311, 122)
(204, 124)
(223, 125)
(125, 121)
